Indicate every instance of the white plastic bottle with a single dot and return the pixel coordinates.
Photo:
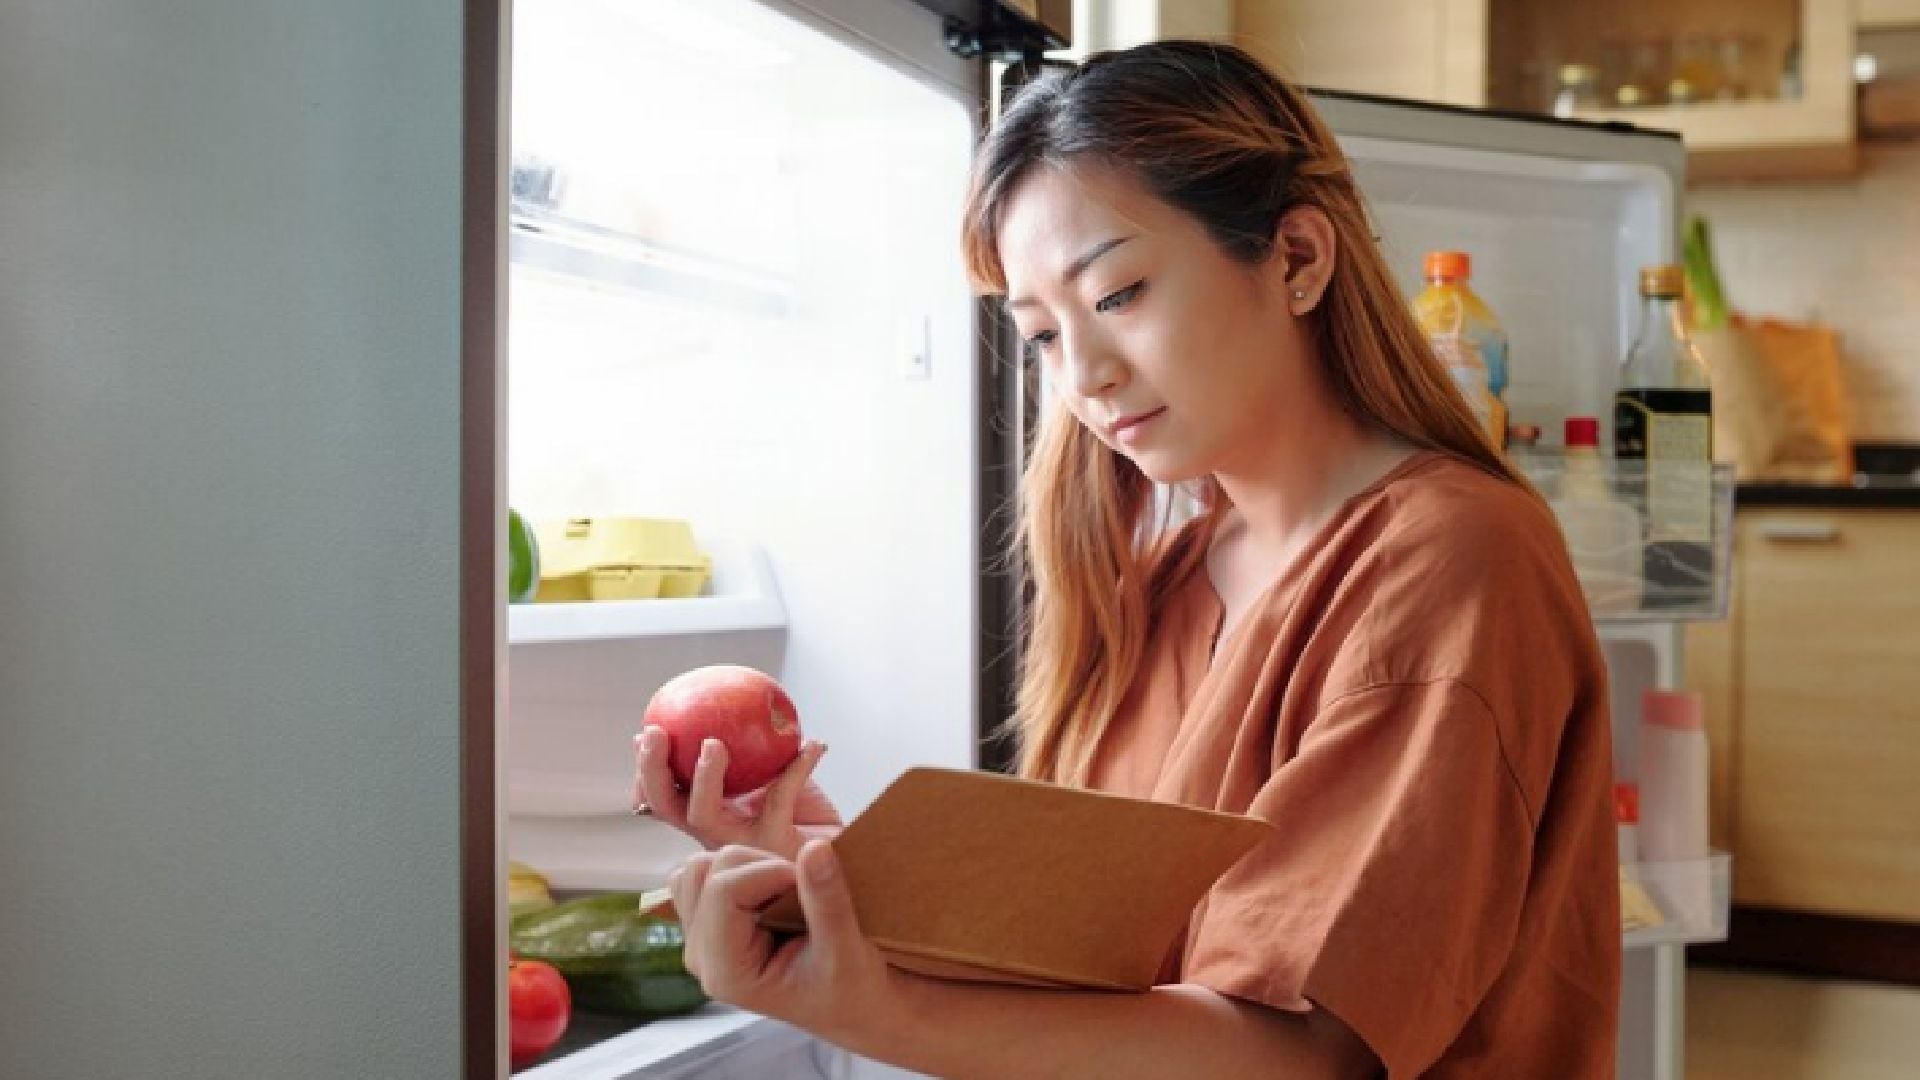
(1674, 779)
(1603, 533)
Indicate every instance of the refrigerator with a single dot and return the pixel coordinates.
(250, 488)
(735, 298)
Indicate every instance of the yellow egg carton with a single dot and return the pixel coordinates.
(615, 558)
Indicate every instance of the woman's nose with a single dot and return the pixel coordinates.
(1092, 368)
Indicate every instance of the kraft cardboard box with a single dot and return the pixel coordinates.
(983, 877)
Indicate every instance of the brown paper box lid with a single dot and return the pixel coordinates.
(983, 877)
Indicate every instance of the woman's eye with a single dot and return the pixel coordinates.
(1116, 300)
(1039, 341)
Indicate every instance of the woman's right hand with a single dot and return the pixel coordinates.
(777, 818)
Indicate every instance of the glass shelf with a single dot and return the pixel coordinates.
(1679, 536)
(743, 596)
(541, 240)
(1692, 897)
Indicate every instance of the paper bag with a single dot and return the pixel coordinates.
(1779, 408)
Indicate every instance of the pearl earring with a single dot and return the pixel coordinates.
(1298, 295)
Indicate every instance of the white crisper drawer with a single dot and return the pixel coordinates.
(717, 1043)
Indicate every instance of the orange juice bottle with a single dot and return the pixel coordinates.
(1470, 342)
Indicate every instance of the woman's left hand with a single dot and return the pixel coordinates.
(831, 980)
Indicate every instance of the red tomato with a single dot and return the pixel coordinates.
(745, 709)
(538, 1007)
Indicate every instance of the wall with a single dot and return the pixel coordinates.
(1844, 253)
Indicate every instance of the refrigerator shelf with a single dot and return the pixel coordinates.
(1694, 897)
(716, 1038)
(601, 257)
(743, 597)
(1675, 500)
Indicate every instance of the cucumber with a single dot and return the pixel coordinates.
(649, 995)
(615, 959)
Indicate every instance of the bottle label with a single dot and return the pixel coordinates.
(1663, 425)
(1671, 430)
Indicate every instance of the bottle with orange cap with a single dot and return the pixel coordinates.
(1469, 341)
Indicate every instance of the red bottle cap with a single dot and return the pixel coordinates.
(1583, 431)
(1626, 803)
(1675, 710)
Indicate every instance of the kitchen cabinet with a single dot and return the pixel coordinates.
(1874, 14)
(1510, 54)
(1427, 50)
(1786, 67)
(1815, 685)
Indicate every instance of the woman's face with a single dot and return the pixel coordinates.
(1167, 349)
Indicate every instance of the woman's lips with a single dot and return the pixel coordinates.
(1128, 428)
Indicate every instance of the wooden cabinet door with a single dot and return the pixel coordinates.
(1428, 50)
(1826, 768)
(1878, 13)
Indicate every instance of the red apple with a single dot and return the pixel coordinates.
(745, 709)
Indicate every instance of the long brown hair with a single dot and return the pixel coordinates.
(1209, 131)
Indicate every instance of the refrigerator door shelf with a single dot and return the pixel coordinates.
(744, 596)
(1693, 897)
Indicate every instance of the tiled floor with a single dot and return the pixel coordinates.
(1748, 1026)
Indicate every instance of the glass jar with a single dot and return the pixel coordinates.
(1579, 90)
(1733, 69)
(1644, 82)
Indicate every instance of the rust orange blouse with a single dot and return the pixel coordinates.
(1419, 705)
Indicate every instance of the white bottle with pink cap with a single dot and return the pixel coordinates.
(1673, 790)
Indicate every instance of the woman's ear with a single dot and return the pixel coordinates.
(1306, 247)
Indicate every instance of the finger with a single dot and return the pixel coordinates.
(656, 787)
(832, 923)
(705, 807)
(748, 888)
(686, 884)
(732, 941)
(641, 805)
(735, 856)
(784, 794)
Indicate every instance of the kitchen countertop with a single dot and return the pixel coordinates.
(1882, 495)
(1888, 477)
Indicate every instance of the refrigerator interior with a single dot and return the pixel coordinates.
(735, 298)
(1557, 246)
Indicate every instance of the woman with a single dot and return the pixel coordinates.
(1368, 635)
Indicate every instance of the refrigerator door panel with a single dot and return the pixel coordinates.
(736, 299)
(1556, 245)
(1558, 218)
(246, 681)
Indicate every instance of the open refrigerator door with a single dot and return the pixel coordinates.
(1559, 218)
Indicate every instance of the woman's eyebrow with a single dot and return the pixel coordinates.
(1075, 268)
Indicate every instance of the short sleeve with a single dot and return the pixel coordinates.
(1391, 889)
